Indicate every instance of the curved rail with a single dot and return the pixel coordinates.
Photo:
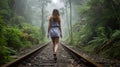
(85, 60)
(17, 61)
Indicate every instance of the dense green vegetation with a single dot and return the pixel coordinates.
(98, 30)
(15, 31)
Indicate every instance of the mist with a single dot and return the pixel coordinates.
(33, 12)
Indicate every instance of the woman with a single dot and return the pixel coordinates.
(54, 30)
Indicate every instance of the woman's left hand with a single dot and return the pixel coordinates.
(48, 36)
(61, 35)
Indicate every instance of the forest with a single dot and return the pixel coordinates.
(90, 25)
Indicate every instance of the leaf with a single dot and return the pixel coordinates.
(116, 34)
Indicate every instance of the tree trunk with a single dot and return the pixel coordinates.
(42, 22)
(71, 20)
(68, 25)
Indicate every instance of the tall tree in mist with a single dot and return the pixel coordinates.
(68, 7)
(67, 17)
(43, 4)
(70, 3)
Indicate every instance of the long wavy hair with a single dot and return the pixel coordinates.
(55, 15)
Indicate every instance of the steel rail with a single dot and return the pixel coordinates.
(88, 62)
(20, 59)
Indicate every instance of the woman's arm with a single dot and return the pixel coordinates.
(60, 26)
(49, 25)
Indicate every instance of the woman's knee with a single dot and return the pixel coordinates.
(57, 40)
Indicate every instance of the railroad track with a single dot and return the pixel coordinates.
(42, 57)
(80, 58)
(22, 58)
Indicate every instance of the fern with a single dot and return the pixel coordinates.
(116, 34)
(5, 54)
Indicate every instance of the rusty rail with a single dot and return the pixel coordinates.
(20, 59)
(86, 61)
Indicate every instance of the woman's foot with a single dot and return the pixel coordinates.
(55, 57)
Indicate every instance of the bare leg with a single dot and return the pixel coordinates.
(56, 45)
(53, 40)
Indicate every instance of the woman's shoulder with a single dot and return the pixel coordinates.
(51, 17)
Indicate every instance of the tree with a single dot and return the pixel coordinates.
(71, 34)
(43, 5)
(67, 17)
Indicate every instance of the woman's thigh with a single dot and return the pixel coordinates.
(53, 39)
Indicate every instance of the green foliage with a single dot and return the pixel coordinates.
(4, 12)
(13, 36)
(82, 35)
(101, 37)
(4, 54)
(90, 48)
(116, 34)
(98, 28)
(97, 41)
(15, 32)
(113, 51)
(84, 8)
(4, 4)
(34, 33)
